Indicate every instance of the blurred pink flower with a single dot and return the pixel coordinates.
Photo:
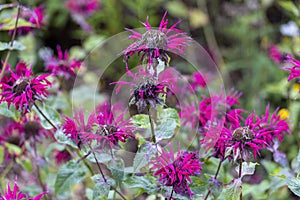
(83, 7)
(275, 55)
(295, 70)
(23, 88)
(62, 66)
(176, 172)
(198, 80)
(61, 156)
(16, 194)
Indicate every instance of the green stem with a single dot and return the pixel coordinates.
(240, 175)
(12, 40)
(215, 177)
(153, 139)
(46, 118)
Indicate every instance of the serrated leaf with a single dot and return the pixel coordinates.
(68, 175)
(234, 190)
(144, 155)
(145, 183)
(116, 167)
(5, 111)
(51, 114)
(247, 168)
(294, 185)
(16, 46)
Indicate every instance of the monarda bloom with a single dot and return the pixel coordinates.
(243, 139)
(109, 129)
(176, 172)
(275, 55)
(83, 7)
(23, 88)
(62, 66)
(155, 43)
(146, 89)
(16, 194)
(295, 70)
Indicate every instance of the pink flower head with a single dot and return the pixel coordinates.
(275, 126)
(22, 88)
(35, 17)
(176, 172)
(198, 80)
(109, 129)
(16, 194)
(147, 90)
(62, 66)
(295, 70)
(83, 7)
(155, 43)
(61, 156)
(275, 55)
(74, 128)
(243, 139)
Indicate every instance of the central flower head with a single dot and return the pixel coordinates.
(154, 39)
(20, 86)
(107, 130)
(31, 129)
(243, 134)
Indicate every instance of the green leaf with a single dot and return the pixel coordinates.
(5, 111)
(13, 149)
(16, 46)
(168, 122)
(141, 121)
(116, 167)
(61, 137)
(100, 190)
(68, 175)
(51, 114)
(26, 164)
(234, 190)
(247, 168)
(144, 155)
(144, 183)
(294, 185)
(290, 7)
(9, 23)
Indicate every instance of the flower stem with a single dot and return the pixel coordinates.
(240, 175)
(12, 40)
(84, 161)
(215, 177)
(171, 193)
(153, 139)
(46, 118)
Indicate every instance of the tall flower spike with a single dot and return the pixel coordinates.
(176, 172)
(155, 43)
(23, 88)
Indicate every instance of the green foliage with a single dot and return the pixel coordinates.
(68, 175)
(16, 46)
(233, 190)
(142, 183)
(7, 112)
(116, 167)
(294, 185)
(144, 155)
(51, 114)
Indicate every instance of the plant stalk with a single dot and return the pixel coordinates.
(215, 177)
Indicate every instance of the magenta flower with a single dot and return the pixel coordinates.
(109, 129)
(83, 7)
(16, 194)
(198, 80)
(74, 128)
(35, 17)
(275, 55)
(176, 172)
(22, 88)
(295, 70)
(155, 43)
(61, 156)
(244, 138)
(147, 90)
(62, 66)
